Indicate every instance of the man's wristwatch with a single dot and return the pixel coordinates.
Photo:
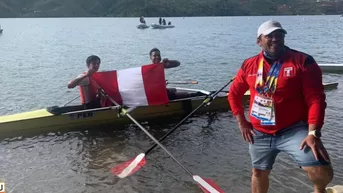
(315, 133)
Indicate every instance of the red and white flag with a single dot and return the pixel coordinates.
(139, 86)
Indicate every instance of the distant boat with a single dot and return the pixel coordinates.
(1, 29)
(157, 26)
(142, 26)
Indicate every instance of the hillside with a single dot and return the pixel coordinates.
(165, 8)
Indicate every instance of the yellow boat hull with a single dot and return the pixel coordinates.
(44, 120)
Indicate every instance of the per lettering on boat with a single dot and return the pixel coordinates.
(81, 116)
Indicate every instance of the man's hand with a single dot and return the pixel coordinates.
(170, 63)
(247, 131)
(165, 60)
(317, 147)
(90, 72)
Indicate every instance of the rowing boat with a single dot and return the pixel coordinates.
(56, 118)
(73, 117)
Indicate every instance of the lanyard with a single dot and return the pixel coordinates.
(271, 80)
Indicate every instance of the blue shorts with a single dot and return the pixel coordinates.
(266, 147)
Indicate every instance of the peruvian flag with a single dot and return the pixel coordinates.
(139, 86)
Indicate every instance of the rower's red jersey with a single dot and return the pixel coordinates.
(299, 94)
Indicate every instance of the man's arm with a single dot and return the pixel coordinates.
(170, 63)
(236, 93)
(80, 80)
(313, 91)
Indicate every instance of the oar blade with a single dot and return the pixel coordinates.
(207, 185)
(129, 167)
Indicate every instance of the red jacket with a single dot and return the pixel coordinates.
(299, 94)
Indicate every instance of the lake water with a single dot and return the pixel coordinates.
(39, 56)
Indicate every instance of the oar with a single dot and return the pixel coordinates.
(207, 185)
(139, 161)
(206, 102)
(71, 100)
(181, 82)
(133, 165)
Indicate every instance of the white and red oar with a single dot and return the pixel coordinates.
(130, 167)
(208, 186)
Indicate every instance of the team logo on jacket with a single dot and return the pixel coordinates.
(288, 71)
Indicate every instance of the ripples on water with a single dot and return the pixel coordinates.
(39, 56)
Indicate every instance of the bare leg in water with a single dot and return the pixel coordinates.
(320, 176)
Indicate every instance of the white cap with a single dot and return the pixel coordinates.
(268, 27)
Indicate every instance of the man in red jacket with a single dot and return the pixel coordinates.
(286, 111)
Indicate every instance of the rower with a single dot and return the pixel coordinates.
(155, 57)
(141, 19)
(88, 87)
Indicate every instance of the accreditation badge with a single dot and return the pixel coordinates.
(263, 109)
